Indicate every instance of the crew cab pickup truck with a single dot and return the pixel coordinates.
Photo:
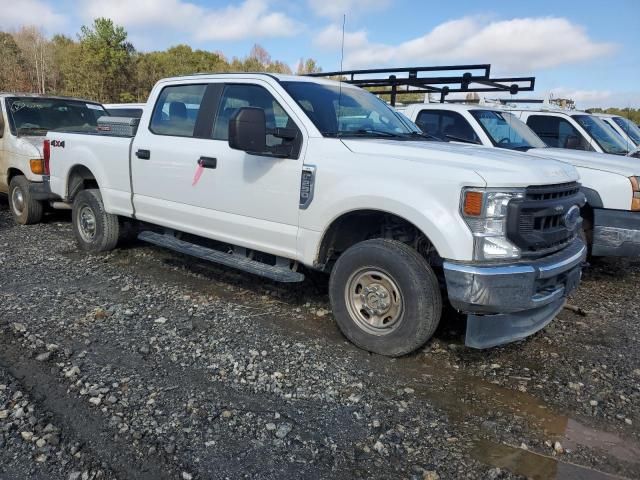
(574, 130)
(611, 216)
(24, 121)
(628, 131)
(270, 173)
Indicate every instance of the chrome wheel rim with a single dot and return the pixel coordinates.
(18, 201)
(87, 224)
(374, 301)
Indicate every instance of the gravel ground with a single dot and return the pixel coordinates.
(144, 364)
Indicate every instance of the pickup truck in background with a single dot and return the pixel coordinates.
(266, 173)
(611, 216)
(628, 131)
(573, 130)
(24, 121)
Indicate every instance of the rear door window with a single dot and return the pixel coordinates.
(176, 110)
(446, 125)
(557, 132)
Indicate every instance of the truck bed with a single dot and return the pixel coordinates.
(73, 153)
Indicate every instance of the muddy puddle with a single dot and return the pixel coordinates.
(466, 399)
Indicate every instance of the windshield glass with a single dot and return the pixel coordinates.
(354, 112)
(37, 116)
(507, 131)
(603, 134)
(631, 129)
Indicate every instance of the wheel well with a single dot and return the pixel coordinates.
(80, 178)
(13, 172)
(356, 226)
(586, 213)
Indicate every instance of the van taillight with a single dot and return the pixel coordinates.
(46, 153)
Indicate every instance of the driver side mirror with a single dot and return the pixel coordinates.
(248, 130)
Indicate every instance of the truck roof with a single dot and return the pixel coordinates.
(42, 95)
(278, 77)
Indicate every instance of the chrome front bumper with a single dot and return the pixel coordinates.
(508, 302)
(616, 233)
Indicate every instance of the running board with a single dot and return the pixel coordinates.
(277, 273)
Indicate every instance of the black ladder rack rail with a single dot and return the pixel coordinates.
(477, 78)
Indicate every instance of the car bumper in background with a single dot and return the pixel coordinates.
(508, 302)
(616, 233)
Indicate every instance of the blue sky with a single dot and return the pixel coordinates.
(587, 50)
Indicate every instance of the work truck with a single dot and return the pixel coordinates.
(611, 216)
(280, 175)
(24, 121)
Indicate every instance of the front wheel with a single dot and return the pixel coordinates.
(95, 229)
(385, 297)
(25, 209)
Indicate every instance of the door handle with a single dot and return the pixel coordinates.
(208, 162)
(143, 154)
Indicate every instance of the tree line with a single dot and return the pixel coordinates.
(102, 65)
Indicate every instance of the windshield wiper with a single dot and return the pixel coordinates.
(363, 132)
(463, 140)
(425, 135)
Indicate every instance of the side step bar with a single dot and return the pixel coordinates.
(277, 273)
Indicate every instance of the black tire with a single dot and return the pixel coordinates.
(95, 229)
(417, 285)
(25, 210)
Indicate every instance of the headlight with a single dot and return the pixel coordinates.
(635, 196)
(485, 212)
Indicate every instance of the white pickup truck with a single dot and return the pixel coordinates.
(24, 121)
(609, 182)
(267, 173)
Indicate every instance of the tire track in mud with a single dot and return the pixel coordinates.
(77, 422)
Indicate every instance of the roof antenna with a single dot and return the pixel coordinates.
(344, 20)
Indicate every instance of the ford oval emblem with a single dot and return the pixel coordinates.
(572, 217)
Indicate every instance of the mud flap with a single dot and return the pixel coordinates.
(486, 331)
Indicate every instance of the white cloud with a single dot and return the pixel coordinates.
(249, 19)
(337, 8)
(29, 12)
(331, 38)
(516, 45)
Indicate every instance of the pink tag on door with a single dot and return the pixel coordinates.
(198, 174)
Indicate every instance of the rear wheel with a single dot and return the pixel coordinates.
(25, 209)
(385, 297)
(95, 229)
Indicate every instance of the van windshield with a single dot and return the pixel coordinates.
(630, 128)
(38, 115)
(507, 131)
(603, 134)
(348, 112)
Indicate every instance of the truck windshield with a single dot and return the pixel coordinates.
(603, 134)
(38, 115)
(631, 129)
(352, 112)
(506, 130)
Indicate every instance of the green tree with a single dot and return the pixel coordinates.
(13, 74)
(106, 61)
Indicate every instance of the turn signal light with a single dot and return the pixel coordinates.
(46, 153)
(37, 166)
(473, 204)
(635, 198)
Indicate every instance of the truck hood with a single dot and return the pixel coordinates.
(30, 146)
(626, 166)
(496, 166)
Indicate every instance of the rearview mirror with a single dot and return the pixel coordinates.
(248, 130)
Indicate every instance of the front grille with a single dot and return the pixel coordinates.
(536, 223)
